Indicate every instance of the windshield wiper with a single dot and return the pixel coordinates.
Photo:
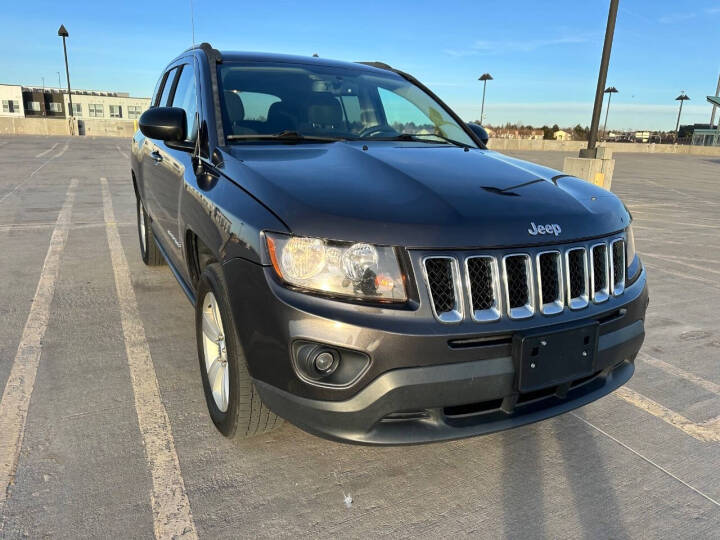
(417, 136)
(286, 135)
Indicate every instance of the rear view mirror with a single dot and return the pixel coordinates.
(479, 132)
(164, 123)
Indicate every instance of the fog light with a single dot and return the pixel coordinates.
(324, 362)
(328, 365)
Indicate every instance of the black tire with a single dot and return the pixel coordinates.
(246, 414)
(149, 251)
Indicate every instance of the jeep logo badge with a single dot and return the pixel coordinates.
(550, 228)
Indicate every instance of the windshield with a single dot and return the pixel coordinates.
(306, 101)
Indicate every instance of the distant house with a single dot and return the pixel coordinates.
(561, 135)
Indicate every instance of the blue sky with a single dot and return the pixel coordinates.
(544, 55)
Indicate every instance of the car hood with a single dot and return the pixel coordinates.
(420, 195)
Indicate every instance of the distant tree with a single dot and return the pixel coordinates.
(547, 133)
(581, 133)
(555, 128)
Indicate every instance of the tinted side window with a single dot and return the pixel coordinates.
(167, 87)
(156, 92)
(185, 97)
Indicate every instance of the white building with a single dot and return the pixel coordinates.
(11, 100)
(117, 105)
(17, 100)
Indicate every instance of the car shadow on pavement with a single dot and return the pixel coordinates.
(589, 476)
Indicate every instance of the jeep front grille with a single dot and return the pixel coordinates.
(599, 279)
(521, 285)
(617, 253)
(518, 291)
(443, 278)
(577, 277)
(550, 284)
(483, 282)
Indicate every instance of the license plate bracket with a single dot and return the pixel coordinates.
(549, 358)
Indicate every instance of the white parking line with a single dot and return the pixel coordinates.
(75, 225)
(170, 505)
(648, 460)
(41, 154)
(711, 283)
(61, 152)
(705, 431)
(20, 383)
(710, 386)
(121, 152)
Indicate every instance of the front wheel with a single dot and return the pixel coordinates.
(233, 402)
(149, 251)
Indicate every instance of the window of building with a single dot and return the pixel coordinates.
(54, 106)
(95, 109)
(10, 106)
(33, 106)
(134, 111)
(77, 109)
(185, 97)
(115, 111)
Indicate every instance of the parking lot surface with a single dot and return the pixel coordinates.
(91, 446)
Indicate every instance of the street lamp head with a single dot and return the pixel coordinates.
(682, 97)
(611, 90)
(62, 32)
(485, 77)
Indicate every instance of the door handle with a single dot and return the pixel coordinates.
(156, 156)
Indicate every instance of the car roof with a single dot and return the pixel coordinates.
(251, 56)
(242, 56)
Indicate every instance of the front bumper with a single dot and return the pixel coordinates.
(419, 387)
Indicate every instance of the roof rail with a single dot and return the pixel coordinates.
(211, 52)
(379, 65)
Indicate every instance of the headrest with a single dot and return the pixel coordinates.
(234, 106)
(325, 110)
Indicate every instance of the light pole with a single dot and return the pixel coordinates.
(682, 97)
(62, 32)
(591, 151)
(485, 77)
(609, 91)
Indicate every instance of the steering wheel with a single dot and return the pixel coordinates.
(376, 130)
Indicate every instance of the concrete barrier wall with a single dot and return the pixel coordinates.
(107, 128)
(34, 126)
(61, 126)
(502, 145)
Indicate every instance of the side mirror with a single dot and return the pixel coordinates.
(164, 123)
(480, 132)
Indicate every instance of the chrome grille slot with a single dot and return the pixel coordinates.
(517, 274)
(443, 280)
(599, 279)
(483, 284)
(577, 277)
(550, 285)
(617, 256)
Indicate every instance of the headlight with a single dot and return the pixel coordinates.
(630, 247)
(355, 270)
